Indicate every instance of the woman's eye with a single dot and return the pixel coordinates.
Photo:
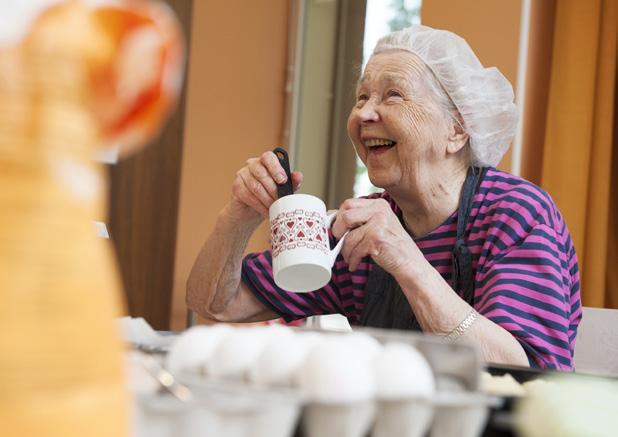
(393, 93)
(362, 97)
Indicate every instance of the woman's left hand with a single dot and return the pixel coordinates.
(374, 230)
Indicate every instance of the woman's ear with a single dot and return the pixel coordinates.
(457, 137)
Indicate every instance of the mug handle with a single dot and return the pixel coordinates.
(330, 217)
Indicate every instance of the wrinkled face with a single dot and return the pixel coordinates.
(396, 126)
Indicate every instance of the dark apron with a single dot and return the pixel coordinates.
(386, 306)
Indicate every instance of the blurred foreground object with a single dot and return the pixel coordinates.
(80, 76)
(570, 405)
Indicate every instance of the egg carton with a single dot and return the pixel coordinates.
(235, 408)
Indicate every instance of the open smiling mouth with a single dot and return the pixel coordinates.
(379, 145)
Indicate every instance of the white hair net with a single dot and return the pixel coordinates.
(483, 96)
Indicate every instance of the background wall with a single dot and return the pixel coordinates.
(235, 110)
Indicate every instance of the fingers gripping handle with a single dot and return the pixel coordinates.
(330, 218)
(286, 188)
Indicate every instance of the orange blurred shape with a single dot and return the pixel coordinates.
(87, 74)
(133, 53)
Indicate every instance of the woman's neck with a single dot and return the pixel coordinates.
(431, 197)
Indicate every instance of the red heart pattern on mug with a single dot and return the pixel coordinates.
(293, 229)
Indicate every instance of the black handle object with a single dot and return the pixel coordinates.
(284, 189)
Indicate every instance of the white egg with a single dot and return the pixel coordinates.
(311, 339)
(403, 372)
(280, 360)
(233, 357)
(194, 347)
(335, 372)
(365, 344)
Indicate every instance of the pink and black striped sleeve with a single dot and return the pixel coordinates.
(257, 275)
(531, 289)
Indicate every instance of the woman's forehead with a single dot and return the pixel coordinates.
(397, 66)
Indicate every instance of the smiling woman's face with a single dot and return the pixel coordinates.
(396, 125)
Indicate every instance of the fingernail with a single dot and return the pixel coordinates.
(280, 178)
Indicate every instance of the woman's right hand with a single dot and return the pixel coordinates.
(255, 187)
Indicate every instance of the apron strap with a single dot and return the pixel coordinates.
(463, 277)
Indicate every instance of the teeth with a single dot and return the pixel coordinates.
(378, 142)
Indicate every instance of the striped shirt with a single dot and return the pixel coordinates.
(525, 270)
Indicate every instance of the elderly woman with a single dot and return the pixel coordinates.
(452, 247)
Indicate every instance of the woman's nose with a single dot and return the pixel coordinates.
(368, 112)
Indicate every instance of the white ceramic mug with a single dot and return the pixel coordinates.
(301, 253)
